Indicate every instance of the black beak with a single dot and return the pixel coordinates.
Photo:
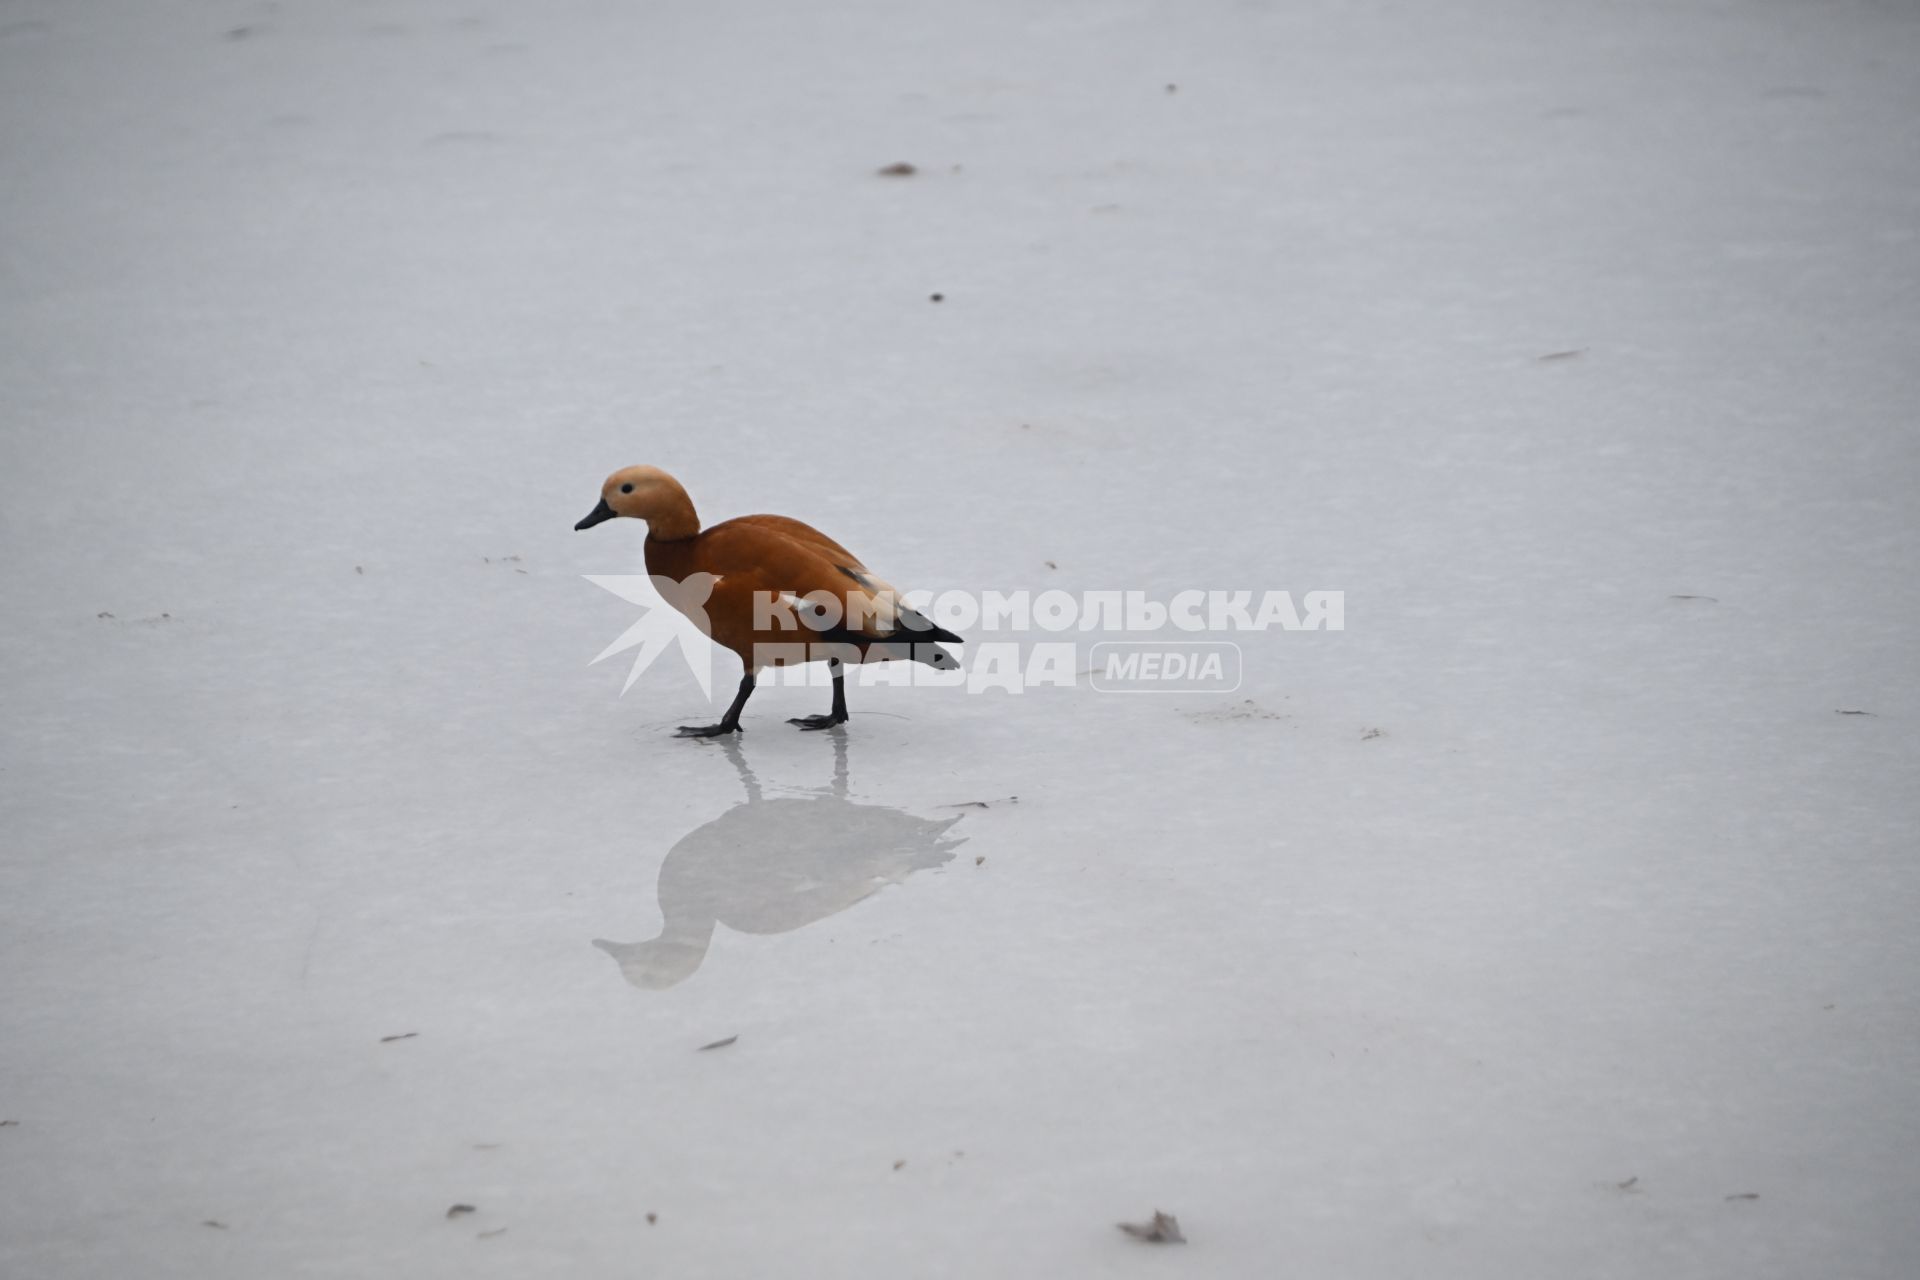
(595, 516)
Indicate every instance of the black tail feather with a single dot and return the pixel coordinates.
(901, 646)
(924, 628)
(936, 657)
(899, 638)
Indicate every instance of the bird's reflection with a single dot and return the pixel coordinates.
(768, 866)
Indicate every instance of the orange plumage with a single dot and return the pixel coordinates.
(782, 591)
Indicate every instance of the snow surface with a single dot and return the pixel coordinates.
(321, 323)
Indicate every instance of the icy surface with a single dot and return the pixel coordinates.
(320, 324)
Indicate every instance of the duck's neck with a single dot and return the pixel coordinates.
(675, 521)
(669, 559)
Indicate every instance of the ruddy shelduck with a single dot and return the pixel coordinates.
(782, 592)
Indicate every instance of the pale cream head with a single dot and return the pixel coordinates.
(650, 494)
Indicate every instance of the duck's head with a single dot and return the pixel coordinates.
(645, 493)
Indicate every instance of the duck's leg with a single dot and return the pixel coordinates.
(839, 713)
(729, 723)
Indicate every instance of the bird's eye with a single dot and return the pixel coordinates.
(626, 488)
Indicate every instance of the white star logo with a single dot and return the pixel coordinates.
(675, 615)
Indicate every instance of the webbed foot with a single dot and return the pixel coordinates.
(705, 730)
